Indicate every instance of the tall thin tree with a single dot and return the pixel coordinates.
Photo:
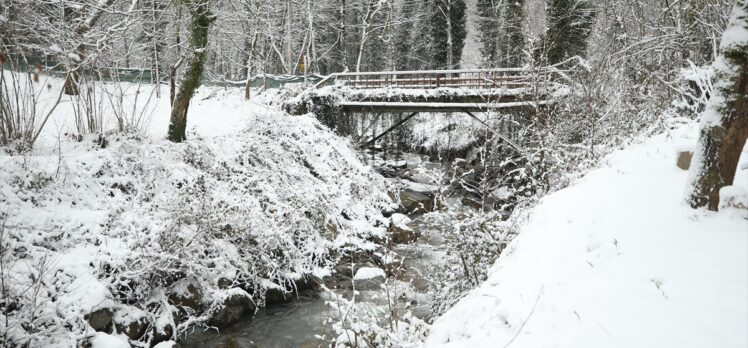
(201, 18)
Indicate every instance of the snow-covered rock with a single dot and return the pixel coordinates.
(417, 198)
(102, 340)
(400, 232)
(400, 221)
(369, 278)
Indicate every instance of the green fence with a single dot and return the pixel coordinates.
(267, 81)
(137, 75)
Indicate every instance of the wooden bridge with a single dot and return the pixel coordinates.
(474, 90)
(507, 90)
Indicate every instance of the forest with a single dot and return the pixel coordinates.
(373, 173)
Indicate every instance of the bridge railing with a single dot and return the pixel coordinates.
(428, 79)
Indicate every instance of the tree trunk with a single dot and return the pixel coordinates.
(247, 86)
(289, 50)
(71, 82)
(73, 77)
(724, 124)
(450, 44)
(199, 24)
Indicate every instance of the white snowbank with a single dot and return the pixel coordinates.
(614, 261)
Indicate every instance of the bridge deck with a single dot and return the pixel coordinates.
(467, 90)
(430, 79)
(438, 107)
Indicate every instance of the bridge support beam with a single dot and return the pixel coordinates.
(507, 140)
(372, 141)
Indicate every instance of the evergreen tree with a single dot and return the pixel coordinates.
(514, 39)
(503, 38)
(569, 26)
(404, 48)
(489, 25)
(377, 45)
(420, 42)
(448, 32)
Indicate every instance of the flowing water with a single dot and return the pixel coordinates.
(305, 321)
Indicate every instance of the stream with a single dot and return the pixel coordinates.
(305, 321)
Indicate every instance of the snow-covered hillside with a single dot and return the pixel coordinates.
(616, 260)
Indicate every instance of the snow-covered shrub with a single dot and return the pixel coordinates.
(695, 89)
(474, 244)
(365, 324)
(21, 117)
(122, 227)
(131, 105)
(325, 106)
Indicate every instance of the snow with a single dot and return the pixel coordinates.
(616, 260)
(401, 221)
(736, 35)
(733, 197)
(74, 56)
(102, 340)
(421, 188)
(249, 177)
(364, 273)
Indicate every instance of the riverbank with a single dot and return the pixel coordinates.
(139, 239)
(616, 260)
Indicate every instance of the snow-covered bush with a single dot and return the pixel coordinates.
(473, 245)
(364, 324)
(119, 230)
(21, 117)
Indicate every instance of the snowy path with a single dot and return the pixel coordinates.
(614, 261)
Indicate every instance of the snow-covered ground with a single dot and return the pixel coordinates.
(253, 200)
(261, 198)
(214, 111)
(616, 260)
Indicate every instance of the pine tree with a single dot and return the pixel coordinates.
(514, 39)
(448, 32)
(503, 37)
(569, 25)
(421, 41)
(724, 124)
(489, 25)
(404, 49)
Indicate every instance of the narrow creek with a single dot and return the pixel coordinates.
(305, 322)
